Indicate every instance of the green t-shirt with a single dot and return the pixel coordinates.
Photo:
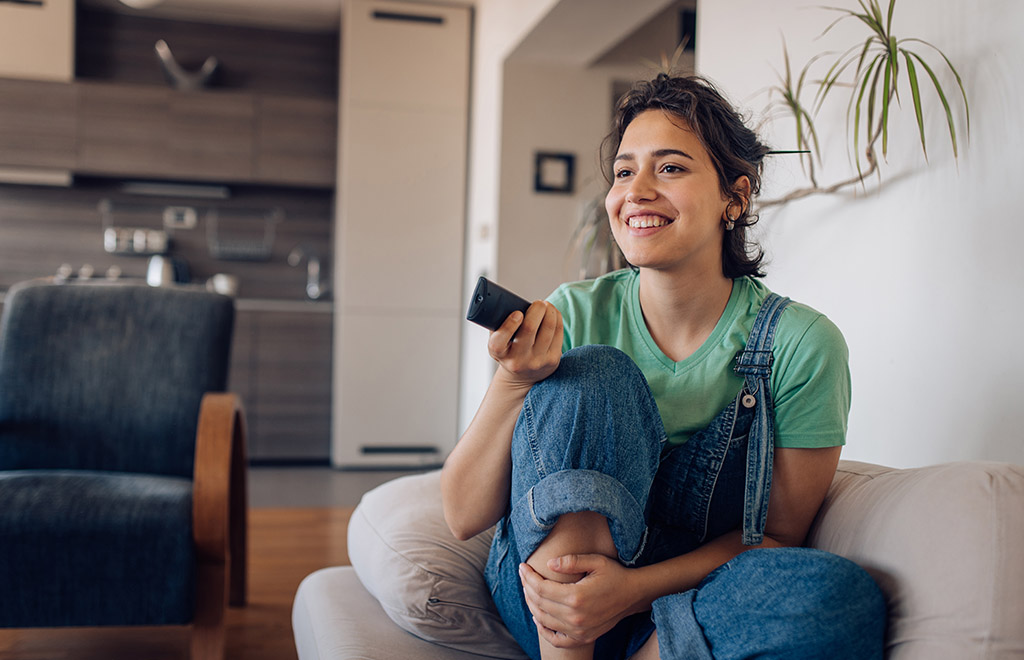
(810, 381)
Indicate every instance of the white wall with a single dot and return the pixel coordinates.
(499, 25)
(536, 227)
(923, 275)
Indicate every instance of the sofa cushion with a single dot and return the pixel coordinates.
(335, 618)
(945, 543)
(429, 583)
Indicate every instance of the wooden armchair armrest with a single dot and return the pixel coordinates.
(219, 508)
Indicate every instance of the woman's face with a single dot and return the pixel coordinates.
(665, 206)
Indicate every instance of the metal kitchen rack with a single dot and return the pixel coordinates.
(233, 234)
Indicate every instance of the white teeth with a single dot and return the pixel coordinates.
(645, 221)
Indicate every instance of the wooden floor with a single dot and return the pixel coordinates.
(285, 545)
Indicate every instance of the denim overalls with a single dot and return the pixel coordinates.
(590, 438)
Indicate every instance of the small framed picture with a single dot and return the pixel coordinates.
(554, 172)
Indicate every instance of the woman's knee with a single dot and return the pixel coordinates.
(596, 406)
(575, 533)
(599, 361)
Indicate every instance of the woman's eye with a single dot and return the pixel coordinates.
(672, 169)
(621, 174)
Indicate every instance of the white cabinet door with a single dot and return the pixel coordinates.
(403, 123)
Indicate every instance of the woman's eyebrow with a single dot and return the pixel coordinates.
(660, 153)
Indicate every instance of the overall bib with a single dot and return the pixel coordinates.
(590, 438)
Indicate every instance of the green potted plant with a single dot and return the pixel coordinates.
(871, 71)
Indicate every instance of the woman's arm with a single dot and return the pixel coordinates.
(582, 611)
(476, 478)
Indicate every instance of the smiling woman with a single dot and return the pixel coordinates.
(664, 206)
(639, 424)
(719, 146)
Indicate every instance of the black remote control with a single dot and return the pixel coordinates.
(491, 304)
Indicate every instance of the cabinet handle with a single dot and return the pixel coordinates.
(409, 18)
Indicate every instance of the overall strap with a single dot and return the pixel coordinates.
(754, 363)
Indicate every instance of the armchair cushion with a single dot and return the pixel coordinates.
(94, 548)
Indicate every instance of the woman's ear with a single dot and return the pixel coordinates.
(741, 192)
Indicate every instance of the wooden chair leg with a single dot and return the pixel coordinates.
(208, 630)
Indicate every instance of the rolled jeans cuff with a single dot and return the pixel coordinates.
(536, 512)
(680, 637)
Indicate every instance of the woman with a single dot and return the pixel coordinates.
(652, 485)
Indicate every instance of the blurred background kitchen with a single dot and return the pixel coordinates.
(310, 159)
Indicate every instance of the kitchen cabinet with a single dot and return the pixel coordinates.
(122, 129)
(116, 129)
(140, 130)
(210, 135)
(295, 140)
(281, 367)
(38, 124)
(399, 232)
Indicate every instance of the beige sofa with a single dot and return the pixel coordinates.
(946, 544)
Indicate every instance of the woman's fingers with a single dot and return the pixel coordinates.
(544, 598)
(549, 334)
(557, 639)
(523, 345)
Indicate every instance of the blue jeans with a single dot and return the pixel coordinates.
(590, 438)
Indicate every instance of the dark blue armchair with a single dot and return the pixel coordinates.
(122, 460)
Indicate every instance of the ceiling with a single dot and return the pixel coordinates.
(578, 32)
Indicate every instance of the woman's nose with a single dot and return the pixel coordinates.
(640, 189)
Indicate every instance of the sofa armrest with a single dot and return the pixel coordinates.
(946, 545)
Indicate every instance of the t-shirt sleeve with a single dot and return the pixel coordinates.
(811, 388)
(560, 299)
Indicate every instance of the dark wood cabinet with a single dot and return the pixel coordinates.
(122, 129)
(210, 136)
(38, 124)
(281, 366)
(114, 129)
(296, 140)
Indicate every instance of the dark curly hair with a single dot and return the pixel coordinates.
(735, 151)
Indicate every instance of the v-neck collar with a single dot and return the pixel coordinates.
(715, 338)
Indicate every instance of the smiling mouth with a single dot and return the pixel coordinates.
(647, 221)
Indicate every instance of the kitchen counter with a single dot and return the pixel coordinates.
(278, 305)
(270, 305)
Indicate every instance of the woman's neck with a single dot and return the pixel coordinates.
(682, 312)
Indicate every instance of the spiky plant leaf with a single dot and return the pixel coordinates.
(916, 94)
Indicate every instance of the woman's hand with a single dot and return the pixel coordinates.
(528, 347)
(574, 614)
